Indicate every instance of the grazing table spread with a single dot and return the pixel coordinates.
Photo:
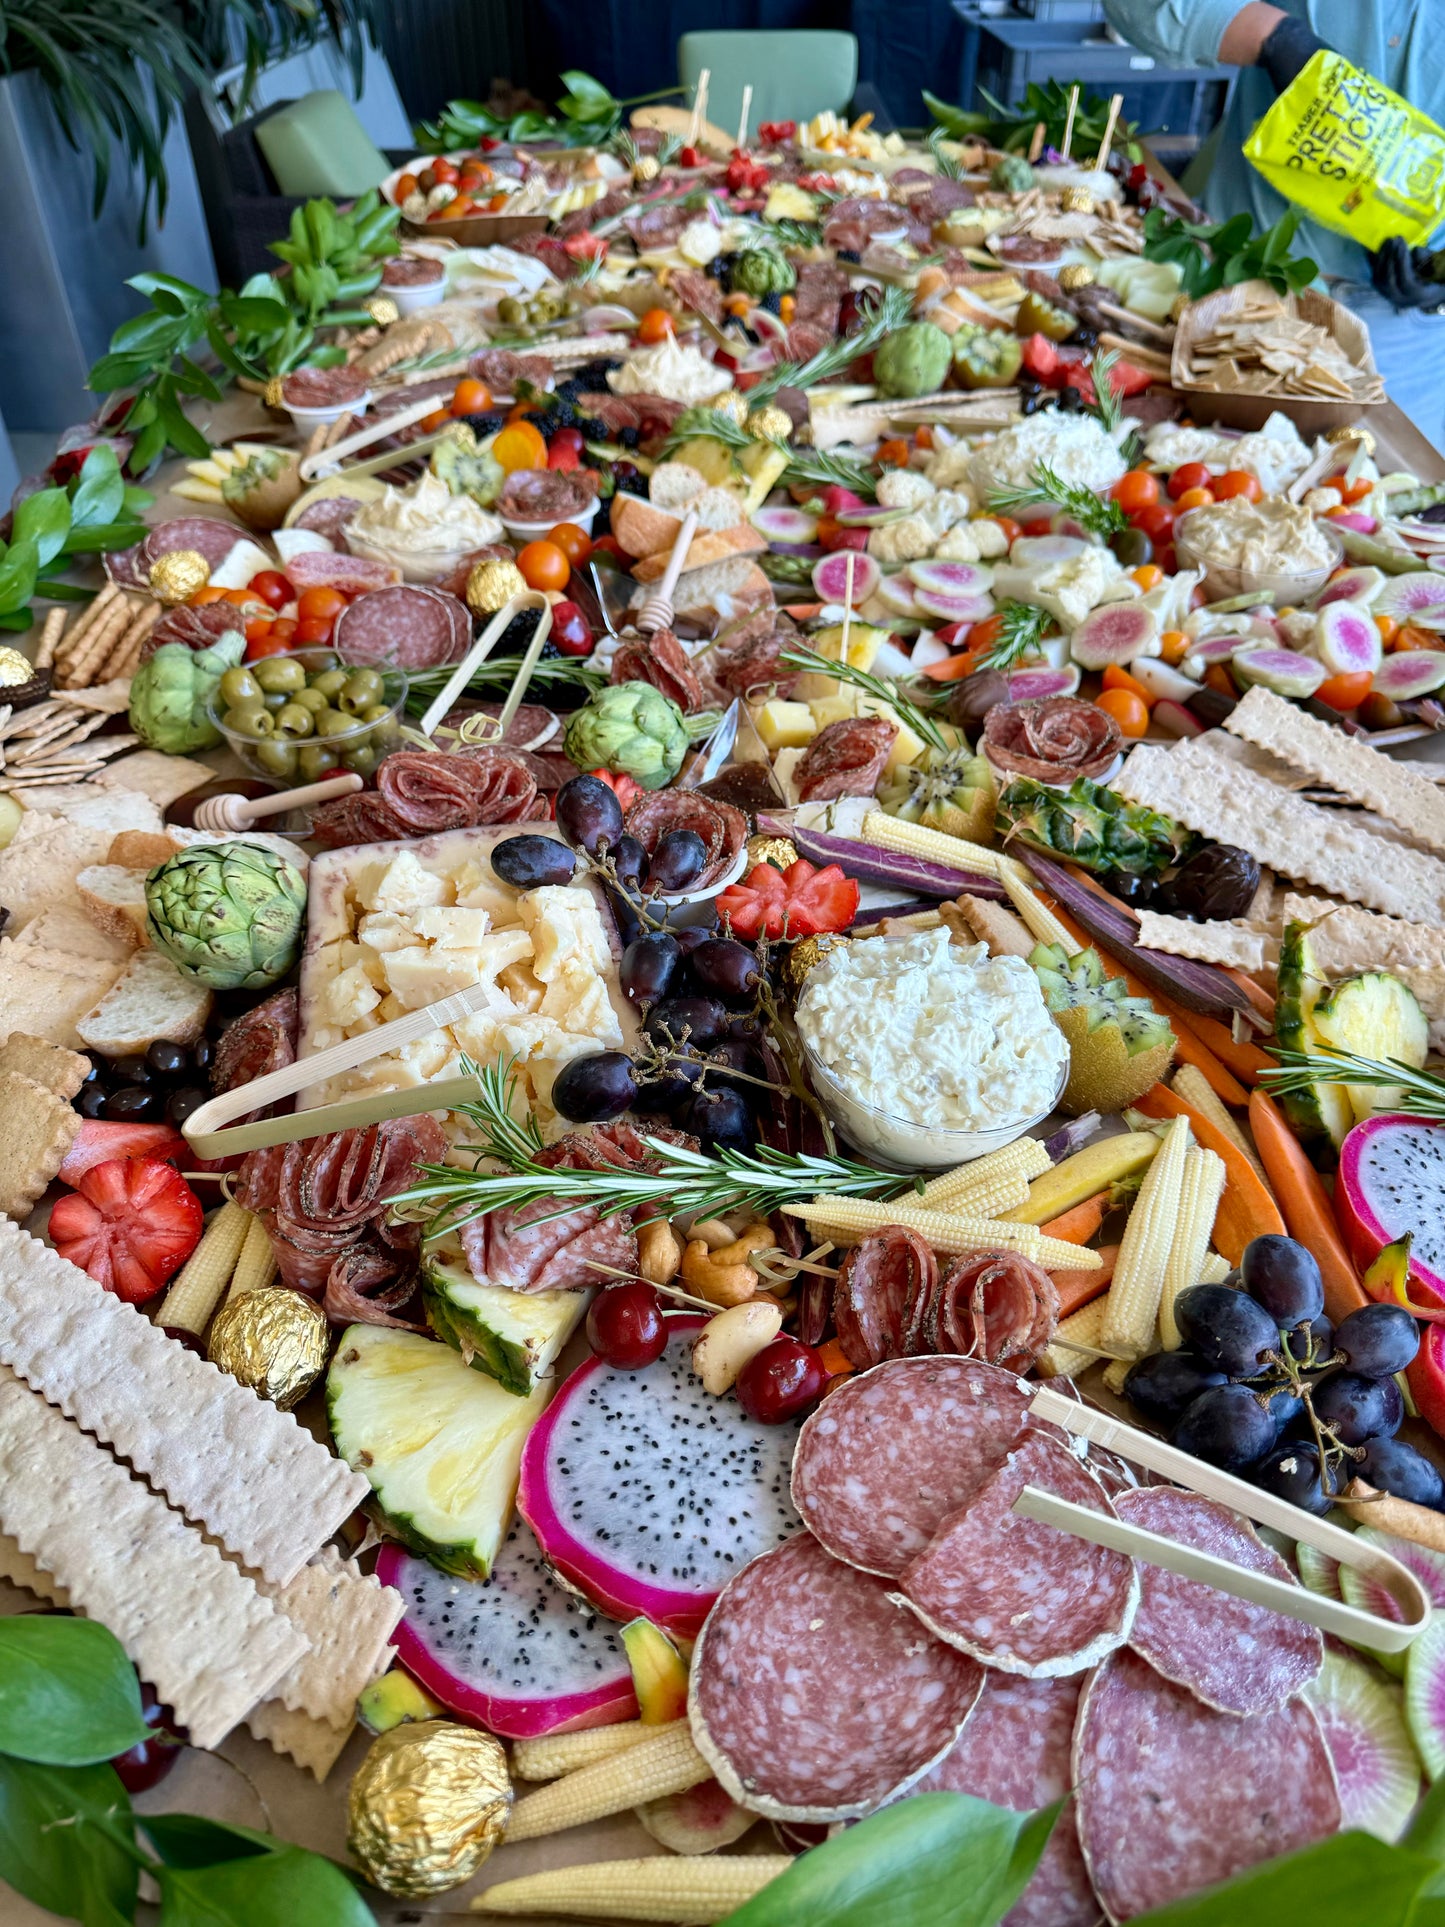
(723, 956)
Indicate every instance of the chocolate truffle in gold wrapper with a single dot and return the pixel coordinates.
(1078, 274)
(382, 309)
(21, 682)
(647, 168)
(490, 584)
(731, 404)
(776, 850)
(1360, 435)
(1076, 200)
(427, 1805)
(177, 576)
(806, 955)
(272, 396)
(272, 1339)
(769, 424)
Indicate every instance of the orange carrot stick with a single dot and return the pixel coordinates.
(1246, 1209)
(1256, 993)
(1079, 1288)
(835, 1360)
(1247, 1061)
(1305, 1204)
(1077, 1225)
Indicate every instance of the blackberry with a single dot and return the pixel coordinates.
(773, 301)
(849, 254)
(568, 391)
(592, 429)
(565, 416)
(538, 417)
(629, 437)
(518, 634)
(485, 424)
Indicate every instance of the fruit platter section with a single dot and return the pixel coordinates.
(721, 1018)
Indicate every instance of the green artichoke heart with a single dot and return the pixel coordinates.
(231, 915)
(760, 271)
(631, 729)
(169, 694)
(912, 360)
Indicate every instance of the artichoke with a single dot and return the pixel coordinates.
(760, 271)
(1012, 174)
(912, 360)
(631, 729)
(170, 693)
(229, 914)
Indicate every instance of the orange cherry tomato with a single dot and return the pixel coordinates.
(1188, 475)
(1129, 711)
(1117, 678)
(544, 566)
(1195, 498)
(320, 605)
(1012, 530)
(1407, 636)
(283, 630)
(438, 418)
(923, 437)
(497, 203)
(520, 445)
(257, 629)
(893, 454)
(404, 189)
(1218, 677)
(242, 599)
(204, 596)
(471, 397)
(1346, 691)
(575, 543)
(1236, 481)
(738, 305)
(656, 325)
(269, 644)
(312, 630)
(1139, 489)
(1173, 646)
(1148, 575)
(1388, 628)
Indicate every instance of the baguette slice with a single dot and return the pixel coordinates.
(151, 1000)
(715, 545)
(674, 486)
(113, 896)
(641, 527)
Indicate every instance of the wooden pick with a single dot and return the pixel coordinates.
(743, 117)
(699, 107)
(1036, 143)
(847, 605)
(524, 674)
(1106, 145)
(1067, 147)
(315, 464)
(480, 650)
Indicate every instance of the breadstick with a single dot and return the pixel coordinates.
(339, 429)
(124, 657)
(316, 441)
(87, 620)
(49, 637)
(80, 670)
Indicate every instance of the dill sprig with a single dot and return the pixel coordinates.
(1099, 514)
(1416, 1093)
(1021, 633)
(917, 719)
(893, 311)
(817, 468)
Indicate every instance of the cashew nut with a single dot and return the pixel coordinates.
(713, 1232)
(727, 1342)
(724, 1276)
(659, 1253)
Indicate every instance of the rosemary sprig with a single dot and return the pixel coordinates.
(1108, 403)
(498, 675)
(947, 164)
(712, 423)
(893, 311)
(1418, 1093)
(796, 234)
(816, 468)
(1021, 632)
(1099, 514)
(886, 692)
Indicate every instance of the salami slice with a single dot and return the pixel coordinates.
(723, 829)
(662, 661)
(126, 568)
(1018, 1595)
(414, 628)
(546, 495)
(1052, 740)
(323, 387)
(196, 628)
(130, 568)
(328, 515)
(419, 793)
(845, 759)
(324, 569)
(893, 1453)
(1218, 1795)
(1236, 1657)
(259, 1041)
(994, 1305)
(883, 1289)
(1016, 1751)
(812, 1697)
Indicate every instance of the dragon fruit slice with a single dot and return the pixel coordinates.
(647, 1494)
(1392, 1180)
(517, 1653)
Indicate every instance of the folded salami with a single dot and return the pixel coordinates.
(994, 1305)
(723, 829)
(812, 1697)
(419, 793)
(1016, 1594)
(1173, 1797)
(661, 660)
(845, 759)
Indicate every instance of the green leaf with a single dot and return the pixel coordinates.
(187, 1840)
(586, 99)
(68, 1694)
(103, 537)
(1346, 1881)
(99, 489)
(17, 574)
(262, 315)
(1426, 1833)
(185, 292)
(18, 619)
(939, 1860)
(55, 1844)
(280, 1889)
(43, 518)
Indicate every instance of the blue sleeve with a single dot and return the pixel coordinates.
(1181, 33)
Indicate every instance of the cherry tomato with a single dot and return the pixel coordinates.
(923, 437)
(1129, 711)
(203, 597)
(1388, 628)
(1345, 691)
(566, 449)
(570, 629)
(273, 588)
(269, 644)
(655, 325)
(1117, 678)
(893, 454)
(1236, 481)
(313, 629)
(520, 445)
(604, 546)
(404, 189)
(1173, 646)
(444, 171)
(544, 566)
(1216, 676)
(1148, 575)
(471, 397)
(241, 598)
(320, 605)
(1157, 521)
(1194, 498)
(1136, 490)
(781, 1381)
(575, 543)
(1407, 636)
(1011, 530)
(1188, 475)
(258, 628)
(1167, 560)
(284, 629)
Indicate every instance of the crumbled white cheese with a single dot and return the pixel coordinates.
(1077, 449)
(906, 541)
(1071, 588)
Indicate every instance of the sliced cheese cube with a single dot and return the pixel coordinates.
(783, 725)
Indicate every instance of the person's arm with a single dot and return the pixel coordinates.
(1205, 33)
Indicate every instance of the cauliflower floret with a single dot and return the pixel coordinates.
(990, 536)
(950, 505)
(1297, 628)
(949, 466)
(906, 541)
(959, 545)
(904, 488)
(1317, 500)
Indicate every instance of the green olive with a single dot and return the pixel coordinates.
(280, 673)
(294, 721)
(331, 682)
(377, 713)
(311, 699)
(511, 310)
(336, 722)
(315, 760)
(275, 699)
(276, 758)
(363, 759)
(363, 689)
(238, 685)
(250, 719)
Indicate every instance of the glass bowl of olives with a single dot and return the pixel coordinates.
(302, 717)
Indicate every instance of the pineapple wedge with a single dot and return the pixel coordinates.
(864, 642)
(763, 464)
(513, 1336)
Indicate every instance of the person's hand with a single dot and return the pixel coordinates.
(1403, 276)
(1289, 49)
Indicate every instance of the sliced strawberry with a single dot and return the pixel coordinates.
(96, 1141)
(130, 1223)
(801, 901)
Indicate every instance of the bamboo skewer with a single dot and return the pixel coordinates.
(483, 646)
(743, 117)
(1068, 145)
(1106, 145)
(332, 455)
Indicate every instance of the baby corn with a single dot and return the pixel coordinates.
(197, 1291)
(978, 1187)
(554, 1754)
(1199, 1195)
(1214, 1270)
(1194, 1087)
(256, 1265)
(693, 1890)
(1076, 1342)
(915, 839)
(1043, 925)
(1133, 1300)
(846, 1220)
(665, 1762)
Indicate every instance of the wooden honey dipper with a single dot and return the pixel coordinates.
(233, 812)
(656, 612)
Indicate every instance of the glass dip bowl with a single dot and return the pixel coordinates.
(272, 740)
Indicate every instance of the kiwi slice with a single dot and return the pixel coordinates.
(1119, 1046)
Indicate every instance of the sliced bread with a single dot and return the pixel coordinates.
(150, 1001)
(142, 849)
(113, 896)
(641, 528)
(675, 486)
(705, 548)
(718, 508)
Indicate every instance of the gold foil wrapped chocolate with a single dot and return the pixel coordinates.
(769, 424)
(646, 168)
(491, 584)
(806, 955)
(382, 309)
(272, 1339)
(1078, 274)
(14, 669)
(428, 1804)
(1076, 200)
(1360, 435)
(177, 576)
(731, 404)
(776, 850)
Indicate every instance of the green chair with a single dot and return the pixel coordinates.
(793, 75)
(316, 145)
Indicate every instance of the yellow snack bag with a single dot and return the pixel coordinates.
(1355, 156)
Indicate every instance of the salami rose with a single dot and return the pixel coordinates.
(845, 759)
(994, 1305)
(546, 495)
(662, 661)
(723, 829)
(1052, 740)
(196, 628)
(323, 387)
(419, 793)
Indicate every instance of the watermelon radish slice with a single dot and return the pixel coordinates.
(950, 578)
(1161, 680)
(1281, 670)
(1413, 672)
(1425, 1695)
(1417, 597)
(1318, 1572)
(832, 574)
(784, 524)
(953, 608)
(1346, 639)
(870, 518)
(895, 592)
(1031, 685)
(1427, 1566)
(1118, 632)
(1369, 1746)
(1220, 648)
(1361, 585)
(699, 1820)
(1174, 719)
(1044, 551)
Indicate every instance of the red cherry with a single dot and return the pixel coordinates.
(780, 1381)
(570, 630)
(147, 1763)
(625, 1328)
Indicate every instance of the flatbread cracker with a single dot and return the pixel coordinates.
(44, 993)
(1216, 943)
(66, 929)
(312, 1744)
(37, 1128)
(1394, 790)
(161, 778)
(1297, 839)
(229, 1460)
(348, 1618)
(193, 1626)
(22, 1570)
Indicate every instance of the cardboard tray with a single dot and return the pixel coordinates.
(1249, 411)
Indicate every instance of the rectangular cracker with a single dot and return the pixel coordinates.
(229, 1460)
(61, 1071)
(197, 1629)
(1395, 790)
(1297, 839)
(43, 999)
(159, 777)
(1216, 943)
(348, 1617)
(37, 1128)
(312, 1744)
(23, 1570)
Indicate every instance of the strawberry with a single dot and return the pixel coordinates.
(801, 901)
(131, 1223)
(96, 1141)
